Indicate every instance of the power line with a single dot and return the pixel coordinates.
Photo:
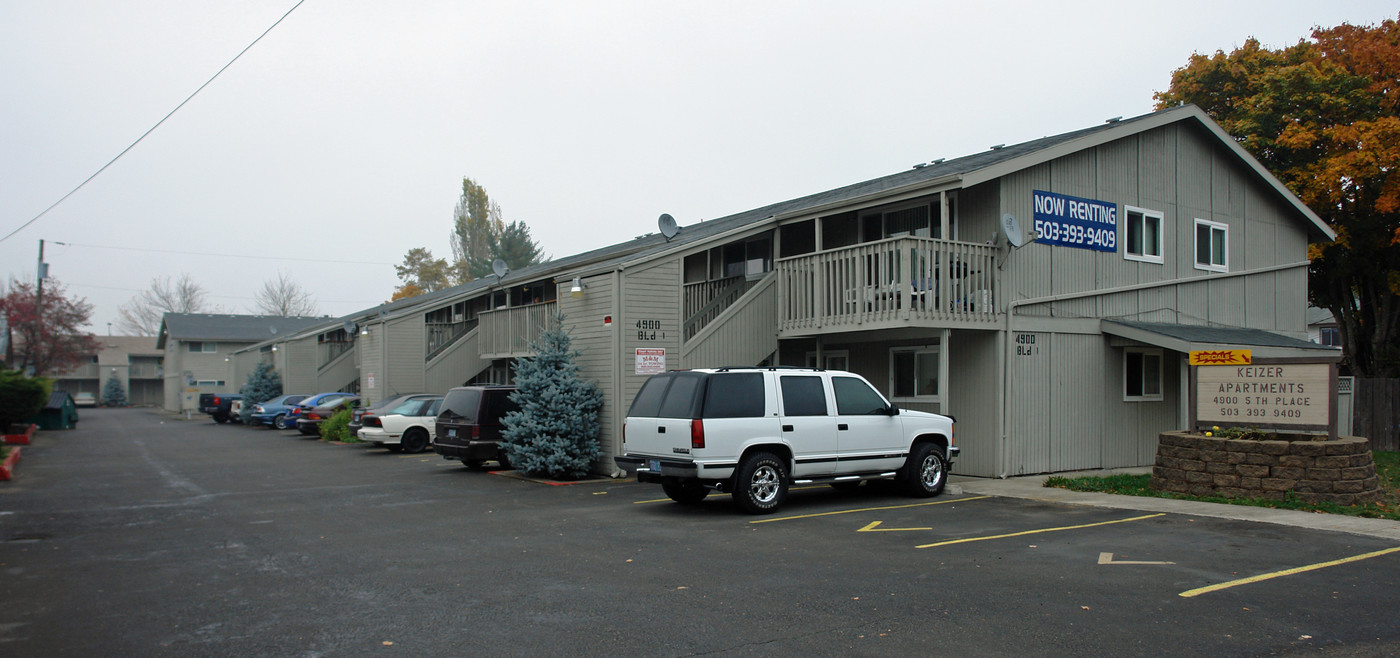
(205, 253)
(143, 135)
(327, 301)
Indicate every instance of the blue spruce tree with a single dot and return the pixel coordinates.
(263, 384)
(555, 433)
(112, 393)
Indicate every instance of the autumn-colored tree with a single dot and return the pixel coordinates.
(51, 341)
(405, 291)
(1324, 116)
(423, 272)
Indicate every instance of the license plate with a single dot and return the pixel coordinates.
(654, 465)
(452, 433)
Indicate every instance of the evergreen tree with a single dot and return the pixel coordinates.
(263, 384)
(555, 433)
(112, 393)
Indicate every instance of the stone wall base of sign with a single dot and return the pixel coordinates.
(1339, 471)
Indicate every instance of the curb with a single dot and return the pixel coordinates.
(518, 475)
(7, 467)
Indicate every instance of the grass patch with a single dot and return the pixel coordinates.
(1387, 470)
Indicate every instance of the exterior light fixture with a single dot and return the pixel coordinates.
(274, 348)
(577, 290)
(364, 331)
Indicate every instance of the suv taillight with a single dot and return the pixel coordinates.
(697, 433)
(476, 432)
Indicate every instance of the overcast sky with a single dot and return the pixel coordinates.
(339, 141)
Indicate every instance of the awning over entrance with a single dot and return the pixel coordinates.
(1187, 338)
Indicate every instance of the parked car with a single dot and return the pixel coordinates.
(357, 418)
(84, 400)
(407, 427)
(753, 432)
(218, 405)
(309, 422)
(468, 425)
(235, 411)
(298, 411)
(272, 412)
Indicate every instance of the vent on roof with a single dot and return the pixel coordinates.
(1114, 120)
(921, 165)
(938, 161)
(998, 147)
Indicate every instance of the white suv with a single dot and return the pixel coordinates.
(755, 431)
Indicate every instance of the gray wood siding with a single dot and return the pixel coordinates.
(455, 365)
(974, 396)
(597, 360)
(649, 293)
(1182, 173)
(745, 334)
(403, 350)
(1028, 440)
(299, 371)
(1076, 395)
(371, 354)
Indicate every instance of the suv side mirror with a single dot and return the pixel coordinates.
(893, 409)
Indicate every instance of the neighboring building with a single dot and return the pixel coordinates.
(198, 349)
(1157, 235)
(135, 361)
(1322, 327)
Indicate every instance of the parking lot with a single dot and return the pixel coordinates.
(139, 534)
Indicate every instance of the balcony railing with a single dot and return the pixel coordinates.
(917, 280)
(443, 334)
(145, 371)
(329, 350)
(508, 332)
(705, 300)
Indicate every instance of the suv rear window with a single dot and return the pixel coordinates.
(462, 403)
(734, 395)
(671, 395)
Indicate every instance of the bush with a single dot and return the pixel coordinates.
(263, 384)
(112, 393)
(337, 427)
(555, 433)
(20, 397)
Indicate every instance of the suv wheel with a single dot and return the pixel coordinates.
(760, 485)
(926, 471)
(685, 492)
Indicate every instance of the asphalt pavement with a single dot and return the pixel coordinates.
(143, 535)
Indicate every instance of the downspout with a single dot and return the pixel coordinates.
(618, 419)
(1011, 307)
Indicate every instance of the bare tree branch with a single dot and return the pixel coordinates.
(284, 297)
(142, 315)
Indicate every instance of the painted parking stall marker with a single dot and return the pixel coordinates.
(1286, 572)
(1038, 531)
(1107, 558)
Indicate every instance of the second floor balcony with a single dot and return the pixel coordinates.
(508, 332)
(896, 282)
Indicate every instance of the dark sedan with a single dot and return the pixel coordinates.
(310, 419)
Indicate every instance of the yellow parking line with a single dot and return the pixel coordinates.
(1039, 531)
(1286, 572)
(867, 509)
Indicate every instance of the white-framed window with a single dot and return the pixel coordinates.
(835, 360)
(1142, 375)
(1212, 246)
(209, 382)
(1142, 234)
(206, 348)
(914, 373)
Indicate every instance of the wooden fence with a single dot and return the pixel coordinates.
(1376, 412)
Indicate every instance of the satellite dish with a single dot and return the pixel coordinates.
(499, 267)
(668, 227)
(350, 327)
(1012, 229)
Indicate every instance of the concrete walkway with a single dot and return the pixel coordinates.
(1032, 488)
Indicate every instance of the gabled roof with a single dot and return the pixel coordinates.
(977, 168)
(232, 328)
